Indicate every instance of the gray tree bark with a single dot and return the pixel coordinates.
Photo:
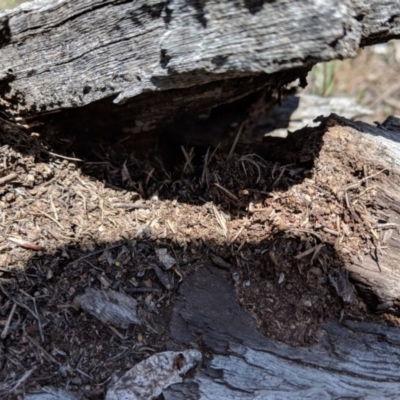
(351, 360)
(167, 58)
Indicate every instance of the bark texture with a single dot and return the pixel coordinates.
(169, 57)
(351, 360)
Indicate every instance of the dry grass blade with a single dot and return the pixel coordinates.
(355, 185)
(245, 158)
(149, 175)
(236, 140)
(53, 207)
(126, 176)
(8, 178)
(229, 193)
(204, 174)
(221, 220)
(188, 157)
(279, 177)
(51, 218)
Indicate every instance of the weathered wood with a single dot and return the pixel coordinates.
(62, 54)
(377, 274)
(350, 360)
(301, 110)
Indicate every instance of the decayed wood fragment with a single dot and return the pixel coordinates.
(109, 306)
(376, 273)
(148, 379)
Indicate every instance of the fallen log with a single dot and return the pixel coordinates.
(164, 59)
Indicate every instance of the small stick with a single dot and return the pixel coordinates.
(171, 226)
(355, 185)
(142, 290)
(16, 301)
(84, 374)
(365, 175)
(316, 248)
(94, 253)
(5, 330)
(305, 231)
(37, 313)
(49, 217)
(25, 244)
(8, 178)
(9, 271)
(230, 194)
(22, 379)
(63, 157)
(236, 139)
(390, 225)
(331, 231)
(203, 175)
(47, 355)
(236, 235)
(116, 332)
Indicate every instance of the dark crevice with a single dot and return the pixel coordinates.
(167, 14)
(71, 18)
(164, 58)
(198, 5)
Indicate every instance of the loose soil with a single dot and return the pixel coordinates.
(279, 227)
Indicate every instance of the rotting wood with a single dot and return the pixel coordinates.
(376, 273)
(350, 360)
(207, 309)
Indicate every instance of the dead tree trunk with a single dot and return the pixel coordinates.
(168, 58)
